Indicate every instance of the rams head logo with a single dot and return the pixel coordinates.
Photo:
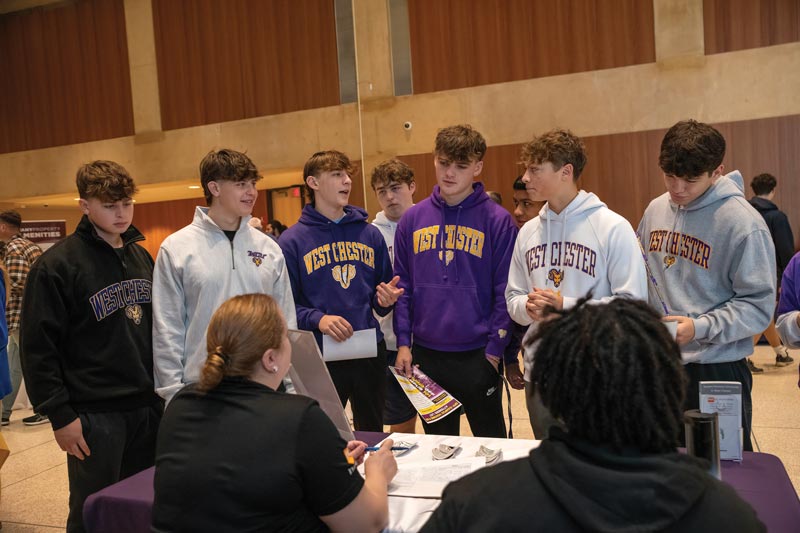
(135, 313)
(257, 257)
(344, 274)
(448, 256)
(556, 276)
(669, 261)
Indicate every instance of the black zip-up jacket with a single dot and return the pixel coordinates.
(779, 228)
(86, 336)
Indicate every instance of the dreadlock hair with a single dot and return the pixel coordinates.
(612, 373)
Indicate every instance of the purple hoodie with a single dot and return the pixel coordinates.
(453, 264)
(335, 267)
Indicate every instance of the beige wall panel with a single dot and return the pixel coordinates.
(276, 142)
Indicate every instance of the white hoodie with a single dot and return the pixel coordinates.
(197, 269)
(585, 247)
(388, 229)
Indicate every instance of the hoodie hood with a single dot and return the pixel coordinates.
(476, 197)
(605, 491)
(311, 217)
(725, 187)
(762, 205)
(382, 222)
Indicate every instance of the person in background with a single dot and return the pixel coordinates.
(394, 186)
(20, 254)
(788, 323)
(86, 338)
(614, 465)
(275, 228)
(496, 197)
(200, 266)
(235, 454)
(525, 206)
(763, 186)
(5, 376)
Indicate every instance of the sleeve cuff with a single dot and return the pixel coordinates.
(568, 302)
(61, 416)
(701, 327)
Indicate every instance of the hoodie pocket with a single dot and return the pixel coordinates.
(448, 315)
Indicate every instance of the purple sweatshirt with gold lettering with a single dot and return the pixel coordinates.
(453, 264)
(335, 268)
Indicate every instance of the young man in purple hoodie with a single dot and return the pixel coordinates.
(340, 272)
(452, 253)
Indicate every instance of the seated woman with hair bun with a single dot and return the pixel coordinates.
(233, 454)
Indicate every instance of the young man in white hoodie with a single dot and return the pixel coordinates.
(218, 256)
(577, 245)
(394, 186)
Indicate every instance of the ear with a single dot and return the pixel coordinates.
(268, 360)
(213, 188)
(567, 171)
(312, 182)
(84, 205)
(412, 187)
(478, 169)
(717, 173)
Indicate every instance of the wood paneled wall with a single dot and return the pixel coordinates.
(65, 76)
(464, 43)
(739, 24)
(623, 169)
(221, 60)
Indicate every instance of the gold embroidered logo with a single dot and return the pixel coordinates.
(448, 256)
(502, 333)
(135, 313)
(668, 261)
(556, 276)
(344, 274)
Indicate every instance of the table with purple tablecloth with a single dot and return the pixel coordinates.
(761, 480)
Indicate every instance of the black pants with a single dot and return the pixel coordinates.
(363, 382)
(733, 371)
(473, 381)
(122, 443)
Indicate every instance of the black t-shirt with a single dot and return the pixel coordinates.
(243, 457)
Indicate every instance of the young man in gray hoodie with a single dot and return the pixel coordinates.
(711, 258)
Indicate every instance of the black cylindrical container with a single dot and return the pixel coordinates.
(702, 438)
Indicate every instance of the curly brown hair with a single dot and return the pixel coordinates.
(390, 171)
(460, 143)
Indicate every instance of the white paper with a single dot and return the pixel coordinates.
(428, 479)
(362, 345)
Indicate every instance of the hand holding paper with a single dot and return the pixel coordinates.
(336, 327)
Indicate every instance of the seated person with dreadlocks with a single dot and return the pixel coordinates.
(614, 467)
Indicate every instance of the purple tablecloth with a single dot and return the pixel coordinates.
(761, 480)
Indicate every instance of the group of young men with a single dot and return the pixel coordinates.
(445, 284)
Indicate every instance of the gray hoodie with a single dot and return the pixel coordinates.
(712, 260)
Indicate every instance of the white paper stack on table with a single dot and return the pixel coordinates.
(417, 488)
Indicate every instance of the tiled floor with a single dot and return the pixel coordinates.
(34, 479)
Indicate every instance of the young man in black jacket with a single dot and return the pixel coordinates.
(87, 342)
(763, 186)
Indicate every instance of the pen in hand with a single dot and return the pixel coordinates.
(394, 448)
